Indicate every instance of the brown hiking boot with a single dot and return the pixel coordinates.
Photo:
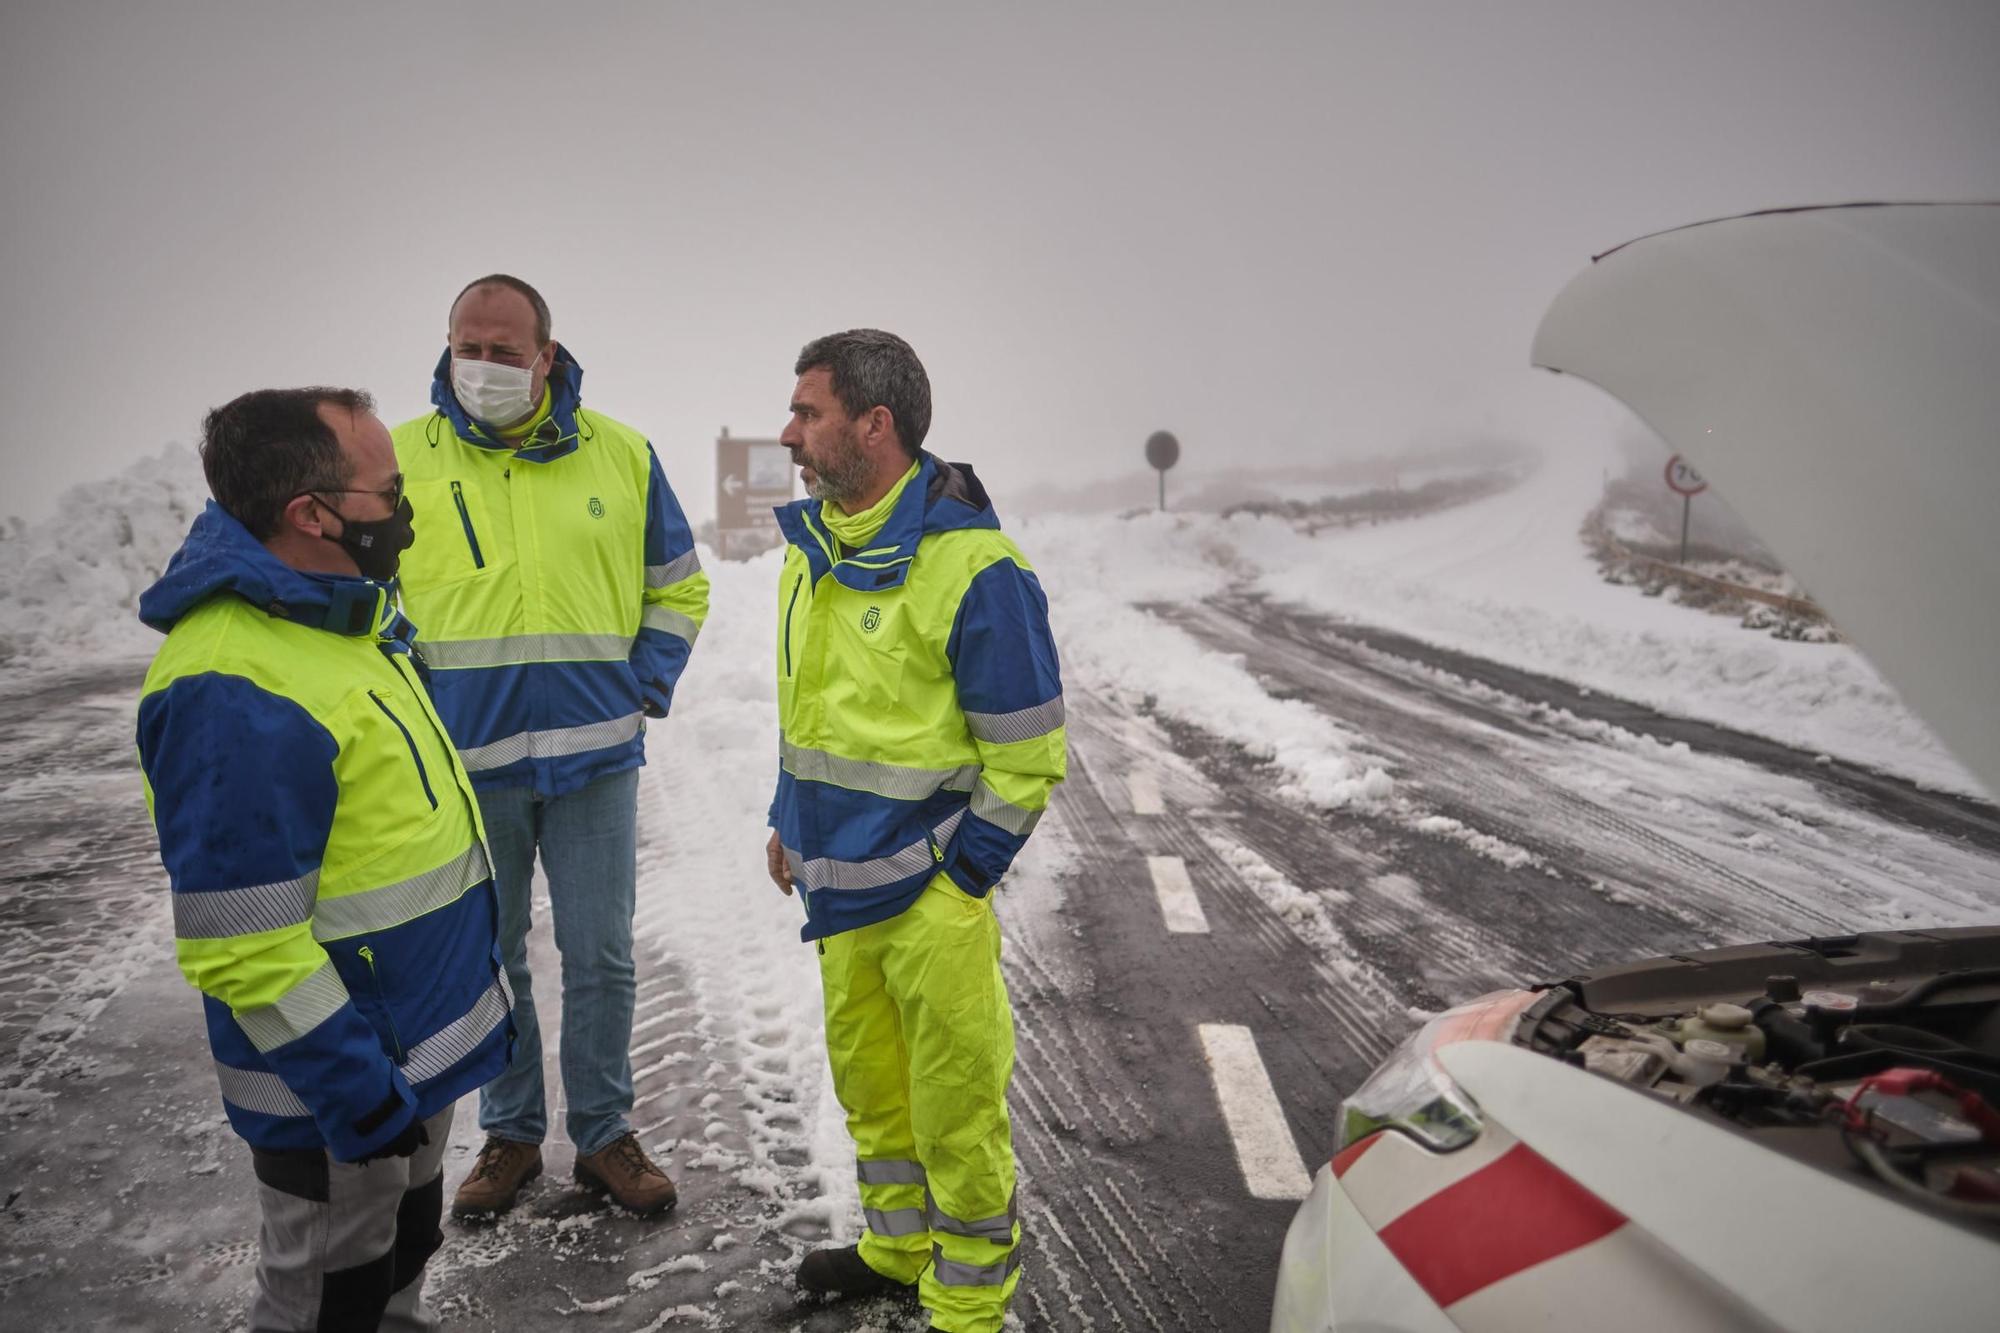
(503, 1167)
(622, 1169)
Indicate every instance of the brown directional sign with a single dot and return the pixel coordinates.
(751, 476)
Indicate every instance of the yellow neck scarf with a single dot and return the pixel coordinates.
(857, 530)
(515, 435)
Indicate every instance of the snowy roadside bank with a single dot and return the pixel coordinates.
(73, 580)
(1505, 578)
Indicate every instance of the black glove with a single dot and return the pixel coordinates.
(413, 1137)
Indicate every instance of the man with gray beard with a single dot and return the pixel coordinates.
(921, 733)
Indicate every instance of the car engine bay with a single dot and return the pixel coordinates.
(1874, 1055)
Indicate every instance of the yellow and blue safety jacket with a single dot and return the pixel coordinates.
(920, 703)
(557, 585)
(332, 895)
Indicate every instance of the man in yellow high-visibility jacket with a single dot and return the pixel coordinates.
(331, 893)
(559, 593)
(921, 733)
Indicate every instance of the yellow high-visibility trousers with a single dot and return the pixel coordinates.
(921, 1038)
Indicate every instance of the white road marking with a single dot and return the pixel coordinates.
(1176, 892)
(1265, 1150)
(1144, 784)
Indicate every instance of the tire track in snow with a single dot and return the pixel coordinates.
(1471, 756)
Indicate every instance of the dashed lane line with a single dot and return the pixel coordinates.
(1265, 1150)
(1144, 784)
(1176, 893)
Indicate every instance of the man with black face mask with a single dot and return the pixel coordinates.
(375, 545)
(332, 895)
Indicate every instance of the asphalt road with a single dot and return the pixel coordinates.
(1534, 831)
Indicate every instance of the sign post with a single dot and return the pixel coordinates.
(1162, 451)
(751, 477)
(1685, 482)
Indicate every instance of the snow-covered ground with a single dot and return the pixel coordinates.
(74, 579)
(1505, 578)
(1368, 834)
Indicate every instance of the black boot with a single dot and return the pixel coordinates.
(844, 1275)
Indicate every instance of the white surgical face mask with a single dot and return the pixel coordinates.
(491, 392)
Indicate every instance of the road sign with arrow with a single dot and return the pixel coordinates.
(751, 476)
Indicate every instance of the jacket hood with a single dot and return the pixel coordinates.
(942, 497)
(554, 438)
(220, 556)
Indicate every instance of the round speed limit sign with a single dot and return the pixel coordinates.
(1682, 478)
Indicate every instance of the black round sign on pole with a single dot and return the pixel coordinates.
(1162, 451)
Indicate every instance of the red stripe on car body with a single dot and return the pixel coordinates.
(1513, 1213)
(1351, 1154)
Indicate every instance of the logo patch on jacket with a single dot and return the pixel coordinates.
(871, 619)
(596, 507)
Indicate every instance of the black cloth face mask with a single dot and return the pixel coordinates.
(376, 545)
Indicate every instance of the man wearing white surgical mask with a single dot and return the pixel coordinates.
(563, 595)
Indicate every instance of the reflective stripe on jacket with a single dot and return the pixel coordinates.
(332, 896)
(557, 585)
(920, 703)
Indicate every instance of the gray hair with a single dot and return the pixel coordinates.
(871, 368)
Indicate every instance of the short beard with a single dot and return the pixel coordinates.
(845, 474)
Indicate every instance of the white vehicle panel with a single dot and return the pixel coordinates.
(1624, 1281)
(1336, 1276)
(1397, 1173)
(1800, 1247)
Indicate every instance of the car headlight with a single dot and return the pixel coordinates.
(1410, 1092)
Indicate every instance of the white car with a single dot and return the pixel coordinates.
(1799, 1136)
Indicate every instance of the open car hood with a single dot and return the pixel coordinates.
(1835, 373)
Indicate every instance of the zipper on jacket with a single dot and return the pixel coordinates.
(430, 714)
(465, 520)
(423, 776)
(789, 606)
(368, 957)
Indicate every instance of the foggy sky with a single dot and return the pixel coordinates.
(1282, 231)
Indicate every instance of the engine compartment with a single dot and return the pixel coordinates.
(1875, 1055)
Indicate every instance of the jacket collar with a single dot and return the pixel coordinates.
(555, 437)
(220, 556)
(940, 498)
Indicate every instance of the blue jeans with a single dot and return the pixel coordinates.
(589, 842)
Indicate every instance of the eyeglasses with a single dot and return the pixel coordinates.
(394, 495)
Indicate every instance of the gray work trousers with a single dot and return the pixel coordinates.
(343, 1247)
